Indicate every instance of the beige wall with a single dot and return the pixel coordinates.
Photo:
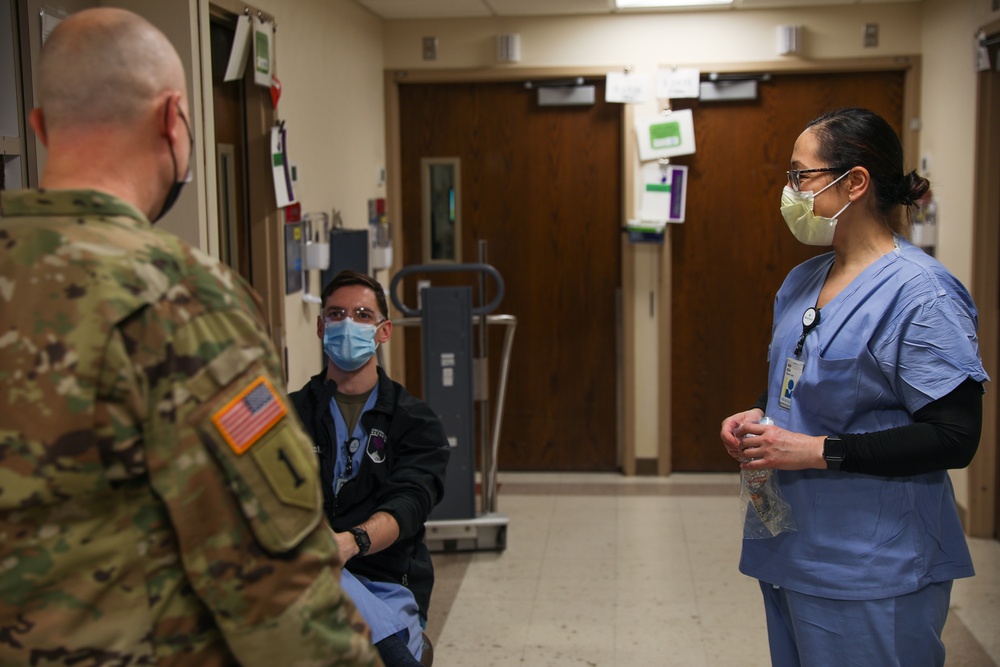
(649, 40)
(948, 112)
(178, 21)
(329, 61)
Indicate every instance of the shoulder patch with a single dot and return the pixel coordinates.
(250, 415)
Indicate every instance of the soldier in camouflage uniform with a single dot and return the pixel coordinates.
(159, 502)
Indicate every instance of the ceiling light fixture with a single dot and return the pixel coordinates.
(669, 4)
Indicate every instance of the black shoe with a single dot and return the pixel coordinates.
(427, 654)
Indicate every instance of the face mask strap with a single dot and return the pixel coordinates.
(831, 184)
(837, 214)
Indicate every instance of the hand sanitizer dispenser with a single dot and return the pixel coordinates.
(316, 251)
(317, 240)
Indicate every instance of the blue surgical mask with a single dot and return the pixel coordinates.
(348, 344)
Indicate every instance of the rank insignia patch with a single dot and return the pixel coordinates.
(250, 415)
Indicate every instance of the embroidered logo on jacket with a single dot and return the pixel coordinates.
(377, 441)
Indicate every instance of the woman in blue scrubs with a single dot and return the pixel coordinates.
(875, 387)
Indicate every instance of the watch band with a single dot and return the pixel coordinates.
(361, 539)
(833, 452)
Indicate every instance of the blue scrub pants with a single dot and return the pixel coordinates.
(388, 609)
(904, 631)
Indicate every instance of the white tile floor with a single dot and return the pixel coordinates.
(604, 570)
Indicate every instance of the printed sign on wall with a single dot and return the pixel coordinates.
(664, 194)
(665, 135)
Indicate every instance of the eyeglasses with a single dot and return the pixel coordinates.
(795, 175)
(359, 315)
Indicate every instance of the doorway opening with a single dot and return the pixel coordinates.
(250, 234)
(542, 186)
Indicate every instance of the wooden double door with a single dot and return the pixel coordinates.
(542, 185)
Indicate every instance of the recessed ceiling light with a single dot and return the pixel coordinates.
(668, 4)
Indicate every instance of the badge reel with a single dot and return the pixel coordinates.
(794, 365)
(351, 447)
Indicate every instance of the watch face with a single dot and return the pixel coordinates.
(361, 538)
(833, 449)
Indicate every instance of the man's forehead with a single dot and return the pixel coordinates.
(352, 296)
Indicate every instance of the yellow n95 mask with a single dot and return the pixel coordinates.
(805, 225)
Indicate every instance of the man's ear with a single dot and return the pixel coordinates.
(170, 118)
(385, 332)
(37, 121)
(319, 326)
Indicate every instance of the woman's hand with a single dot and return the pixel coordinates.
(778, 449)
(730, 425)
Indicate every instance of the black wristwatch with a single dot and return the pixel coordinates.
(361, 538)
(833, 452)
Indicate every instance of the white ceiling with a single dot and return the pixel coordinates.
(448, 9)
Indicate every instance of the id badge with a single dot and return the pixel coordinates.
(793, 371)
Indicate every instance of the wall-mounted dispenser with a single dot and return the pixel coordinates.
(316, 250)
(924, 233)
(790, 40)
(380, 235)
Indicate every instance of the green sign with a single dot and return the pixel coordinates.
(263, 52)
(665, 135)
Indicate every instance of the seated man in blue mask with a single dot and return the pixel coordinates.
(383, 455)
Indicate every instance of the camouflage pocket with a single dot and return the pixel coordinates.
(267, 457)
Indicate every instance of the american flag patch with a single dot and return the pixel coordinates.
(250, 415)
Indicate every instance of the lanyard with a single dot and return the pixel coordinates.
(810, 319)
(350, 447)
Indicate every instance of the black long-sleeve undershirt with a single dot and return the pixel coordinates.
(945, 434)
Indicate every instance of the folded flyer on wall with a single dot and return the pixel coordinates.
(263, 52)
(678, 82)
(664, 192)
(241, 50)
(284, 193)
(626, 88)
(665, 135)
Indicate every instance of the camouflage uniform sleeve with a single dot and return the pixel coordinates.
(239, 480)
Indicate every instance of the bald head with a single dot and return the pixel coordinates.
(104, 66)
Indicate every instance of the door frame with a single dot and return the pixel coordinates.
(984, 496)
(266, 221)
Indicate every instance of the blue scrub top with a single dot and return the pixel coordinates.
(901, 335)
(340, 463)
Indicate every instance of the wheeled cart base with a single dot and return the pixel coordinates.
(486, 532)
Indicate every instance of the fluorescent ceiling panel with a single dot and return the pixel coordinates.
(670, 4)
(550, 7)
(427, 9)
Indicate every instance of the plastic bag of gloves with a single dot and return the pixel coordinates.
(765, 513)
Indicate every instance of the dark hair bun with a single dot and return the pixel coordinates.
(914, 186)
